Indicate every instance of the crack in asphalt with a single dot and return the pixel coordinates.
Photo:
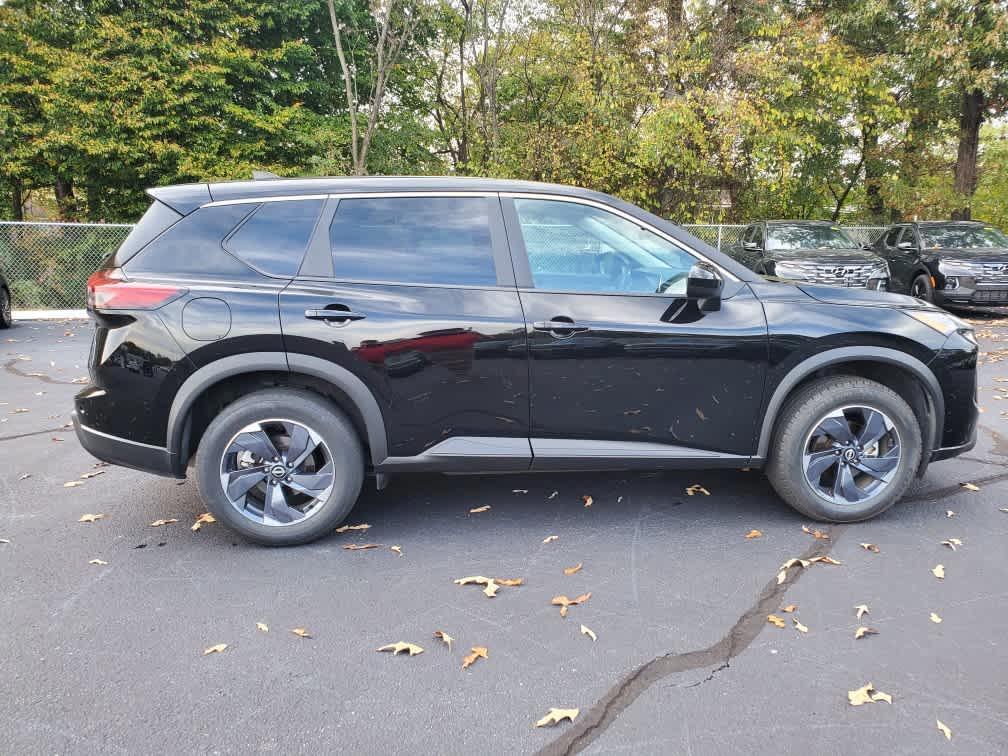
(622, 695)
(11, 367)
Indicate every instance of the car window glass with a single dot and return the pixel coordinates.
(963, 237)
(275, 237)
(786, 237)
(908, 235)
(892, 236)
(575, 247)
(418, 240)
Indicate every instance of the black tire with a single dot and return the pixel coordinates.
(797, 421)
(922, 288)
(6, 313)
(346, 455)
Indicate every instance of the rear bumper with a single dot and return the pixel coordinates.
(121, 451)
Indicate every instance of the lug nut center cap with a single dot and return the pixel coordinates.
(278, 471)
(849, 455)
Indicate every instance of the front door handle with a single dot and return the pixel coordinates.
(559, 325)
(333, 315)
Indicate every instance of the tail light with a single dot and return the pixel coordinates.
(108, 289)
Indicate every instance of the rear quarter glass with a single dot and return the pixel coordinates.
(274, 238)
(157, 218)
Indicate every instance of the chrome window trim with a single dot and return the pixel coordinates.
(256, 200)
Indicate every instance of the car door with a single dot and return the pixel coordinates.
(414, 295)
(622, 365)
(899, 261)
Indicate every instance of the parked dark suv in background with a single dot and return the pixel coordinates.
(288, 337)
(6, 302)
(958, 263)
(811, 251)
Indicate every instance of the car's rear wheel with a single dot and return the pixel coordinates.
(922, 288)
(281, 467)
(845, 449)
(6, 310)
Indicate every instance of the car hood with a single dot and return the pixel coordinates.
(982, 254)
(852, 255)
(854, 296)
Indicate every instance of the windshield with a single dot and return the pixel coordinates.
(807, 237)
(962, 237)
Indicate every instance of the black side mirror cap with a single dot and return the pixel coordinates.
(704, 285)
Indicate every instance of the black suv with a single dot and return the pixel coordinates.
(959, 263)
(288, 337)
(6, 308)
(811, 251)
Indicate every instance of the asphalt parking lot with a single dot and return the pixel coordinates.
(110, 657)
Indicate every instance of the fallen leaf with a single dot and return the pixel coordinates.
(99, 562)
(215, 649)
(360, 546)
(589, 632)
(861, 632)
(24, 476)
(697, 488)
(970, 486)
(442, 635)
(938, 571)
(574, 569)
(491, 584)
(862, 609)
(397, 550)
(4, 540)
(773, 619)
(262, 627)
(949, 513)
(1003, 509)
(204, 519)
(952, 543)
(478, 652)
(159, 523)
(92, 474)
(870, 547)
(867, 694)
(789, 608)
(519, 490)
(555, 716)
(509, 581)
(553, 495)
(799, 626)
(588, 500)
(400, 646)
(301, 632)
(91, 518)
(944, 729)
(346, 528)
(700, 414)
(550, 539)
(20, 410)
(935, 618)
(485, 508)
(754, 533)
(563, 602)
(817, 534)
(73, 484)
(825, 560)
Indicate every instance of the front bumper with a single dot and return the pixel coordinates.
(122, 451)
(969, 293)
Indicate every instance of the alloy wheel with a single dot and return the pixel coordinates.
(6, 314)
(277, 472)
(852, 454)
(919, 290)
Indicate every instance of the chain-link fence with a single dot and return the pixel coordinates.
(47, 264)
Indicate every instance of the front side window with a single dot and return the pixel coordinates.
(963, 237)
(580, 248)
(892, 236)
(414, 240)
(808, 237)
(275, 237)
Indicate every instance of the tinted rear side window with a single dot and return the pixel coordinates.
(157, 218)
(192, 247)
(414, 240)
(276, 235)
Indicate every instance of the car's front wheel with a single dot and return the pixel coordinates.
(280, 466)
(845, 449)
(922, 288)
(6, 311)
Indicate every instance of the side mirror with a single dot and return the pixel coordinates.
(704, 285)
(906, 246)
(750, 245)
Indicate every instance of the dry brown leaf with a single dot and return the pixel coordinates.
(952, 543)
(935, 618)
(862, 631)
(509, 581)
(697, 488)
(477, 510)
(301, 632)
(563, 602)
(73, 484)
(825, 560)
(938, 571)
(789, 608)
(589, 632)
(862, 610)
(262, 627)
(754, 534)
(98, 562)
(402, 646)
(588, 500)
(159, 523)
(443, 636)
(970, 486)
(799, 626)
(204, 519)
(817, 534)
(944, 729)
(555, 716)
(215, 649)
(91, 518)
(92, 474)
(870, 547)
(397, 550)
(571, 570)
(347, 528)
(550, 539)
(478, 652)
(867, 694)
(773, 619)
(360, 546)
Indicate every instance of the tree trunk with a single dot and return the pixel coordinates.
(17, 199)
(970, 118)
(874, 170)
(65, 200)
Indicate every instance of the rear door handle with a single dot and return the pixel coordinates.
(334, 316)
(561, 325)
